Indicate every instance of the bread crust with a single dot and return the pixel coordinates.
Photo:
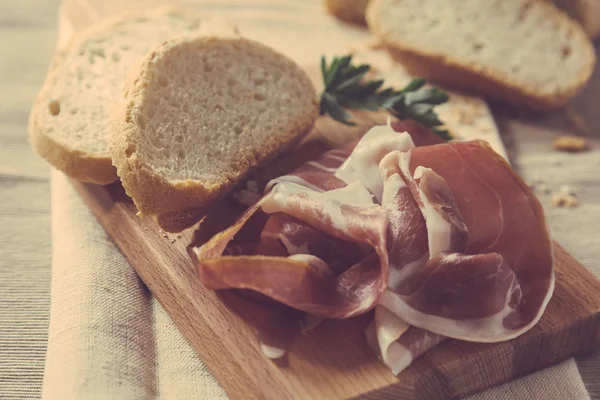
(177, 205)
(449, 71)
(75, 164)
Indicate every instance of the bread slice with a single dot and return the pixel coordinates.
(523, 51)
(352, 11)
(199, 115)
(68, 124)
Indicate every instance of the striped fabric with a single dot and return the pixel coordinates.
(28, 40)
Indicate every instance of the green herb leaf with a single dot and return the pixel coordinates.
(443, 133)
(346, 87)
(415, 84)
(330, 105)
(432, 96)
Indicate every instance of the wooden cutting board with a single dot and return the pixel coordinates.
(333, 361)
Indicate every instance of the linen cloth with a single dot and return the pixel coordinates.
(110, 339)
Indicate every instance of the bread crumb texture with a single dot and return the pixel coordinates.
(571, 144)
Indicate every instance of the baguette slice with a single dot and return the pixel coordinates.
(352, 11)
(199, 115)
(523, 51)
(68, 125)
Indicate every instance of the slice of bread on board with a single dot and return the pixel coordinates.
(522, 51)
(199, 115)
(68, 124)
(348, 10)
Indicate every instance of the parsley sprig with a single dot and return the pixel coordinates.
(345, 86)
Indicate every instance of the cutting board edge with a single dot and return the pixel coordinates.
(587, 324)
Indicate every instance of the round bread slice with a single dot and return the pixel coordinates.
(200, 114)
(68, 124)
(523, 51)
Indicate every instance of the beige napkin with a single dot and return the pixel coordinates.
(110, 339)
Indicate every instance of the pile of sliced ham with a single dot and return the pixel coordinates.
(439, 239)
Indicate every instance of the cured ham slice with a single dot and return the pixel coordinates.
(499, 284)
(317, 175)
(297, 207)
(285, 236)
(307, 158)
(304, 281)
(441, 239)
(395, 342)
(363, 164)
(412, 229)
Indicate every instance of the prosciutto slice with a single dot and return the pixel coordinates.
(395, 342)
(303, 281)
(443, 240)
(496, 284)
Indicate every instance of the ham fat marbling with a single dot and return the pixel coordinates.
(441, 239)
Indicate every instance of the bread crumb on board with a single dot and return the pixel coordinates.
(565, 197)
(570, 143)
(172, 238)
(564, 200)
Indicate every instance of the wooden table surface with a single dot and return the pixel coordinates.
(28, 31)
